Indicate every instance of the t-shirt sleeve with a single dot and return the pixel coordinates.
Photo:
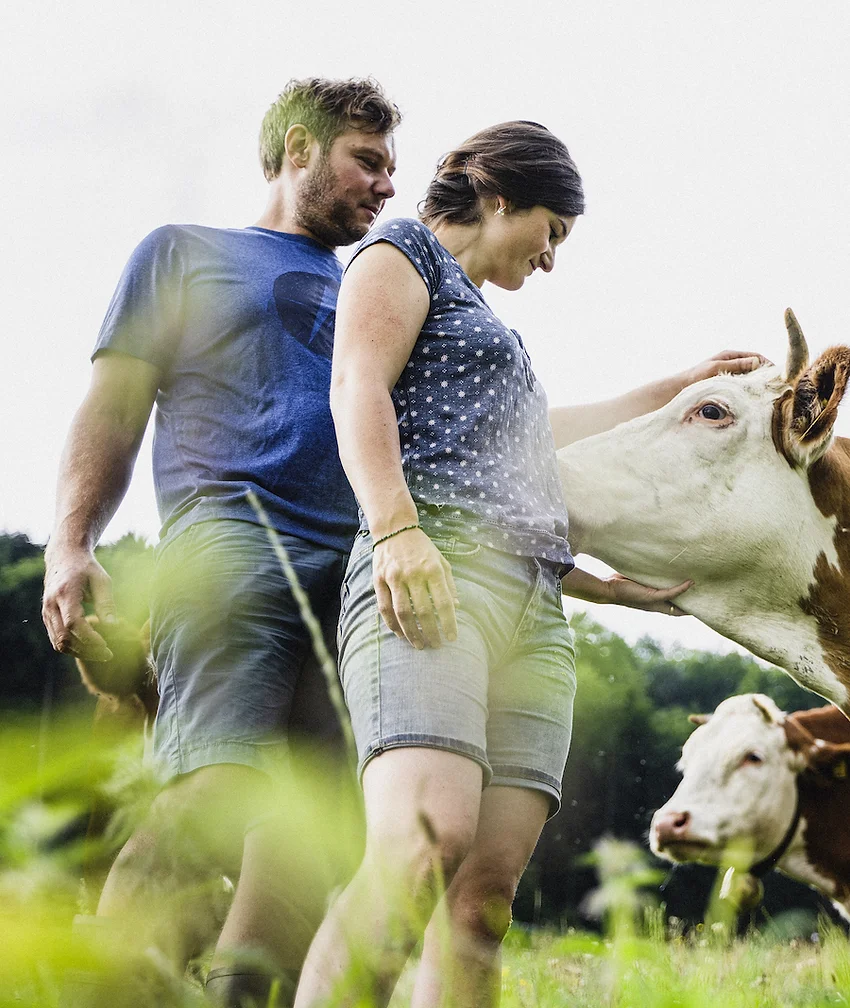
(418, 244)
(144, 318)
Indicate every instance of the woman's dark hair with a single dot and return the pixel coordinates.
(521, 161)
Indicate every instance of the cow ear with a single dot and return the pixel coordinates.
(828, 759)
(808, 413)
(800, 739)
(699, 719)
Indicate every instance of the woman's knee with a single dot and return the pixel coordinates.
(422, 859)
(481, 900)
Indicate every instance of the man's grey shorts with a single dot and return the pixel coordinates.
(501, 694)
(237, 675)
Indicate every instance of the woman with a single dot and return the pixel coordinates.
(455, 656)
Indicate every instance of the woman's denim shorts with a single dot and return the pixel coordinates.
(501, 694)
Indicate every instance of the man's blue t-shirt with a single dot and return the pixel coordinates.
(239, 323)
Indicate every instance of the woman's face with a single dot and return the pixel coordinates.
(522, 241)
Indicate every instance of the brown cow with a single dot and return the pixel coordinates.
(766, 790)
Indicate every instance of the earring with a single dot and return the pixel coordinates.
(500, 212)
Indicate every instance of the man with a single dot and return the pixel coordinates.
(230, 332)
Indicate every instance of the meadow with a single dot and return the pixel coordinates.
(639, 958)
(589, 929)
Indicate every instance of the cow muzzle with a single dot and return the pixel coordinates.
(672, 836)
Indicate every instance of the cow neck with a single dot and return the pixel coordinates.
(829, 479)
(761, 868)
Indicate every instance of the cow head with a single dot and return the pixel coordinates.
(738, 789)
(705, 487)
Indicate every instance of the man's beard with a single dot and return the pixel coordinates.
(329, 219)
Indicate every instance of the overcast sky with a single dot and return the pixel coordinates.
(712, 137)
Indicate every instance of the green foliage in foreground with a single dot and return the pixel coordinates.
(630, 722)
(637, 961)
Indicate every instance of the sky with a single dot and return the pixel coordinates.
(713, 139)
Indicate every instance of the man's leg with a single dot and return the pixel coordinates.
(166, 881)
(292, 862)
(230, 647)
(310, 844)
(163, 899)
(461, 961)
(421, 814)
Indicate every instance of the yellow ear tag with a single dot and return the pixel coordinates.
(839, 771)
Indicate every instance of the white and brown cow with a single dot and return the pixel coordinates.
(739, 485)
(769, 788)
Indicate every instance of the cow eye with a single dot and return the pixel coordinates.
(711, 411)
(753, 758)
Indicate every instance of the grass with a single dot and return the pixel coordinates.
(638, 961)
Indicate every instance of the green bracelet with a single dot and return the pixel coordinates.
(389, 535)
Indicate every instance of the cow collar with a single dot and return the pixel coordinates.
(761, 868)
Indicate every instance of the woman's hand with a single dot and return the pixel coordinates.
(415, 588)
(630, 593)
(620, 590)
(725, 362)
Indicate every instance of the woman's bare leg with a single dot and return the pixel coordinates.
(421, 816)
(461, 960)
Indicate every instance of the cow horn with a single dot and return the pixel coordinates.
(767, 708)
(798, 352)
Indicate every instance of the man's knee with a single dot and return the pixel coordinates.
(197, 821)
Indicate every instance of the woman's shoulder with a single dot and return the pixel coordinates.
(416, 241)
(406, 230)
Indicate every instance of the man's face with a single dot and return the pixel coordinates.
(344, 190)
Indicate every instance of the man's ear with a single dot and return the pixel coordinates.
(299, 144)
(805, 414)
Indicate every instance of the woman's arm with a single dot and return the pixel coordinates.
(619, 590)
(572, 423)
(383, 304)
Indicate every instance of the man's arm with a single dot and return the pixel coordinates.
(572, 423)
(94, 473)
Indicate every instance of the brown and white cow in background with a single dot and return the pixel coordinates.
(774, 789)
(737, 484)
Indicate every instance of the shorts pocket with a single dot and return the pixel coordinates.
(452, 546)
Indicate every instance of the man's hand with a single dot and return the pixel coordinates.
(624, 591)
(414, 587)
(71, 578)
(726, 362)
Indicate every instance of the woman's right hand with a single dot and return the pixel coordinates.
(415, 588)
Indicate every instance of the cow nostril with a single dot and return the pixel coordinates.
(681, 820)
